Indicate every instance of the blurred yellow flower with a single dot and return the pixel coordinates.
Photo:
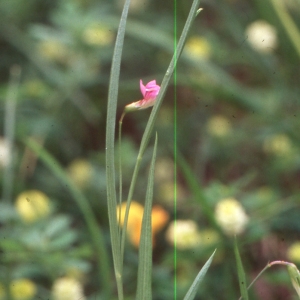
(53, 50)
(278, 144)
(5, 155)
(135, 218)
(218, 126)
(159, 218)
(66, 288)
(183, 234)
(198, 47)
(80, 171)
(20, 289)
(293, 252)
(231, 217)
(32, 205)
(98, 35)
(262, 36)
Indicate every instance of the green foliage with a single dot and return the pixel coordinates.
(237, 111)
(241, 272)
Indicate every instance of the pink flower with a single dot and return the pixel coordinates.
(150, 92)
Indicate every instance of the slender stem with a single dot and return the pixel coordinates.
(9, 130)
(288, 23)
(147, 134)
(276, 262)
(120, 167)
(110, 151)
(255, 279)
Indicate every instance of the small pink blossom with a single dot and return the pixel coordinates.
(150, 92)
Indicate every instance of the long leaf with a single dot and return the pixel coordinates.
(144, 290)
(9, 129)
(146, 136)
(190, 295)
(241, 273)
(110, 151)
(85, 208)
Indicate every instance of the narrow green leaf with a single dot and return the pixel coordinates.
(144, 289)
(190, 295)
(110, 150)
(9, 129)
(85, 208)
(146, 136)
(295, 277)
(288, 23)
(241, 273)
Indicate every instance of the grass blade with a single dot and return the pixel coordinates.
(84, 206)
(9, 130)
(241, 273)
(110, 151)
(288, 23)
(190, 295)
(144, 289)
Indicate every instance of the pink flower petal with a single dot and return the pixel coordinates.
(142, 87)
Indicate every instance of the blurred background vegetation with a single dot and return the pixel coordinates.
(238, 142)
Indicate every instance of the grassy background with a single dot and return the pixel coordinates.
(237, 136)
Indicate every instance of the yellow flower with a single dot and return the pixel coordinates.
(67, 289)
(198, 47)
(98, 35)
(159, 218)
(262, 36)
(135, 218)
(278, 144)
(293, 252)
(231, 217)
(80, 171)
(183, 234)
(218, 126)
(32, 205)
(22, 289)
(53, 50)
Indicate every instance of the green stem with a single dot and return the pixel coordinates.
(288, 23)
(120, 167)
(277, 262)
(110, 151)
(146, 136)
(9, 130)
